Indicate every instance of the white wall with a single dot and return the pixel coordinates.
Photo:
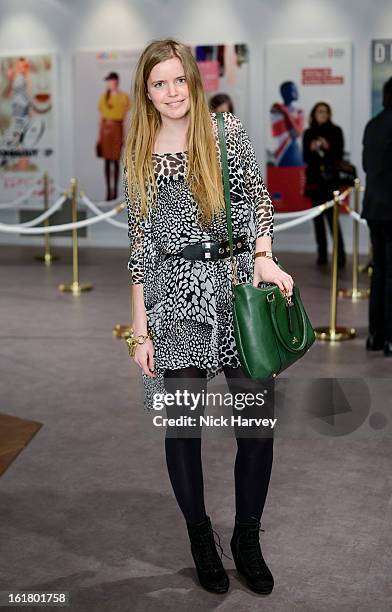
(67, 25)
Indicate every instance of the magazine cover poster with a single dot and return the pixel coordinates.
(298, 75)
(27, 125)
(102, 101)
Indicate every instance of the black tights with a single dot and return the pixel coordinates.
(253, 461)
(112, 169)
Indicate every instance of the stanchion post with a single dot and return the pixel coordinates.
(357, 189)
(334, 271)
(75, 287)
(369, 268)
(74, 217)
(47, 257)
(334, 333)
(355, 294)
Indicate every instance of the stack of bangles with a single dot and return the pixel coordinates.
(134, 341)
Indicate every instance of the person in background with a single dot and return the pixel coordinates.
(113, 107)
(377, 210)
(221, 103)
(323, 147)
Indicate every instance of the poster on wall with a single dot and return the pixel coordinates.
(102, 105)
(27, 125)
(102, 85)
(381, 71)
(225, 72)
(298, 75)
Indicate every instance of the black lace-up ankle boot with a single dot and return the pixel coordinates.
(210, 570)
(249, 561)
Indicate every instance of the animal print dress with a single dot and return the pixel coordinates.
(188, 303)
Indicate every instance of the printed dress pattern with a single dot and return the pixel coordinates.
(188, 303)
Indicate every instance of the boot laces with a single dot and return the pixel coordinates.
(219, 544)
(209, 551)
(252, 546)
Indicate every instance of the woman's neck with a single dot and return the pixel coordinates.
(172, 135)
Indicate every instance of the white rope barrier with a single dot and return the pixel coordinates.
(295, 213)
(102, 204)
(306, 215)
(94, 208)
(18, 229)
(109, 203)
(45, 215)
(22, 229)
(356, 216)
(28, 227)
(311, 214)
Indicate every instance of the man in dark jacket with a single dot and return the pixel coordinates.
(377, 210)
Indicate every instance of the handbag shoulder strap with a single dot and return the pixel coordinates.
(225, 174)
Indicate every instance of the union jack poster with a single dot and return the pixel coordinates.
(298, 75)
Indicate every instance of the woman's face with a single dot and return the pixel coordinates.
(22, 66)
(321, 114)
(112, 84)
(168, 90)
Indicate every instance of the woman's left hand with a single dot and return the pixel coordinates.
(267, 271)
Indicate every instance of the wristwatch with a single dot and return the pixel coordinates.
(264, 254)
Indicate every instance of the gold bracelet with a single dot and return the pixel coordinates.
(264, 254)
(134, 341)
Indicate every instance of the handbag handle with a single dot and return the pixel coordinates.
(288, 347)
(226, 190)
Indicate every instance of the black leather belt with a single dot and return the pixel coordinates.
(211, 250)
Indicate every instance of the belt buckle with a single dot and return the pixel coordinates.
(208, 251)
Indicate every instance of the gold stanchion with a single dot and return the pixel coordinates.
(334, 333)
(367, 268)
(124, 331)
(355, 294)
(75, 287)
(47, 257)
(370, 264)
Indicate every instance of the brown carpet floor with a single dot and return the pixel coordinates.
(87, 507)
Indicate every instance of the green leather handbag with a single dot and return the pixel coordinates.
(271, 331)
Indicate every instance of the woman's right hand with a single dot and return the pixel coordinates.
(144, 357)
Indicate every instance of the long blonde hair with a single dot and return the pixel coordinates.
(203, 171)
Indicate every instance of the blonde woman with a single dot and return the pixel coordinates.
(181, 287)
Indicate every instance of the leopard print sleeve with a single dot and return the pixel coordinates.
(136, 237)
(264, 210)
